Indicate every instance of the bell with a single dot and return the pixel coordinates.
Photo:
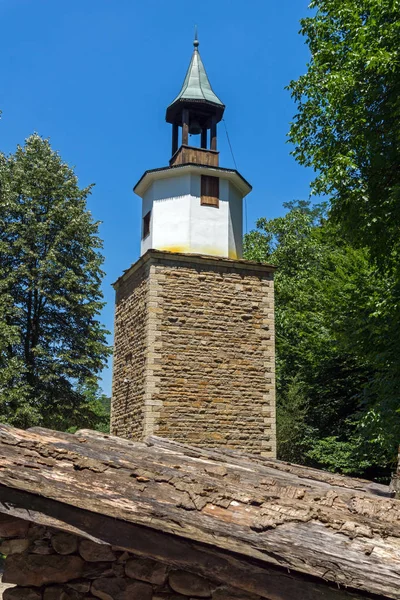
(194, 127)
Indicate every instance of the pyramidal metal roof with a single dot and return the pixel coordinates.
(196, 86)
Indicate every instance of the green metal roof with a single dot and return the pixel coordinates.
(196, 86)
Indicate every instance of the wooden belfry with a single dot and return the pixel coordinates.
(196, 110)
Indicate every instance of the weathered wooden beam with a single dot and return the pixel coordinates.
(277, 467)
(261, 510)
(246, 575)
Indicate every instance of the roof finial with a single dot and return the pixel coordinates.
(196, 41)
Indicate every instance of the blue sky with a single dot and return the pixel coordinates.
(95, 76)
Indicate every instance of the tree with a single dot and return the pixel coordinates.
(348, 122)
(51, 341)
(326, 372)
(97, 410)
(348, 129)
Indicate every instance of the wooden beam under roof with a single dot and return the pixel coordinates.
(273, 529)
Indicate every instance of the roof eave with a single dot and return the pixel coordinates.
(174, 108)
(166, 172)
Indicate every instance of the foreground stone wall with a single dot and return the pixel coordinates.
(209, 352)
(48, 564)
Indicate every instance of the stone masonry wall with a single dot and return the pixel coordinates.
(131, 316)
(216, 374)
(209, 373)
(48, 564)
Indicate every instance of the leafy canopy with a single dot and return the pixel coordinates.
(347, 128)
(332, 410)
(51, 341)
(348, 122)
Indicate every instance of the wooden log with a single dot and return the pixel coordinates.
(234, 457)
(287, 471)
(252, 577)
(344, 532)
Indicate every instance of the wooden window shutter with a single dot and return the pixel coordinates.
(209, 191)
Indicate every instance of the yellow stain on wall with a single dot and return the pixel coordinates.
(175, 248)
(211, 251)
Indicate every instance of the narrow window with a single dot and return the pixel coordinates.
(146, 225)
(209, 191)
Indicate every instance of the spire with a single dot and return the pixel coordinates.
(196, 88)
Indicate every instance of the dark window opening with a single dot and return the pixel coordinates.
(209, 191)
(146, 225)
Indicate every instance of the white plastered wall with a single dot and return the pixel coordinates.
(179, 223)
(235, 222)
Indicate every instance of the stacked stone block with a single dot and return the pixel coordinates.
(48, 564)
(131, 326)
(194, 356)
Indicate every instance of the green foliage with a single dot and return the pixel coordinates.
(51, 341)
(291, 417)
(337, 455)
(330, 412)
(97, 410)
(348, 122)
(347, 128)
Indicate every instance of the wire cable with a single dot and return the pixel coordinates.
(229, 143)
(234, 162)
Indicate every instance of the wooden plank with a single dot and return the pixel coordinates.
(198, 156)
(289, 471)
(175, 132)
(262, 510)
(213, 143)
(95, 436)
(263, 580)
(185, 127)
(285, 473)
(204, 137)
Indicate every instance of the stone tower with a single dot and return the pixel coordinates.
(194, 322)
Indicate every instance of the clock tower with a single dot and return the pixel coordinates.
(194, 325)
